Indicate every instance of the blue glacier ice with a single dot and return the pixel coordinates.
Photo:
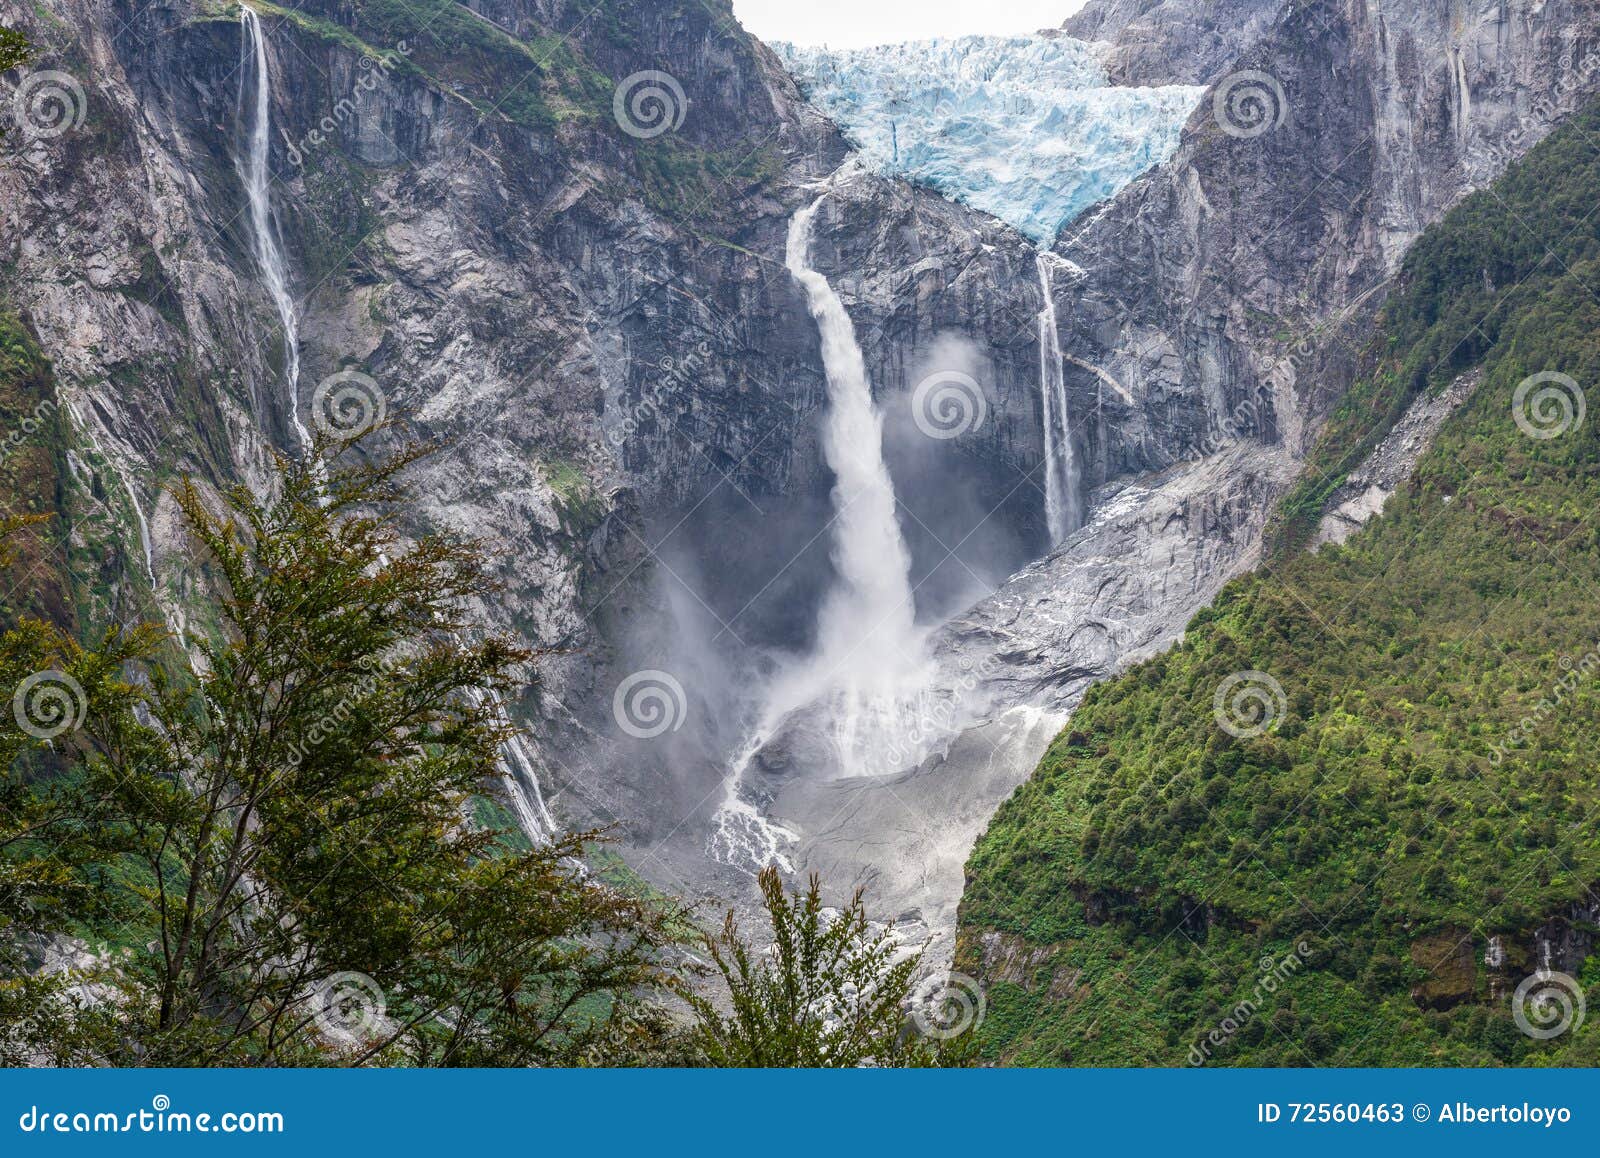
(1026, 128)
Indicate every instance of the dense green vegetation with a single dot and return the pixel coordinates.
(288, 846)
(272, 843)
(1500, 252)
(1426, 780)
(14, 49)
(829, 993)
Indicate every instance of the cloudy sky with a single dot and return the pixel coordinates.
(856, 23)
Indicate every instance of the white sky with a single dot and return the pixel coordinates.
(858, 23)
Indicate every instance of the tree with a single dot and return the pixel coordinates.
(14, 49)
(294, 851)
(42, 829)
(828, 993)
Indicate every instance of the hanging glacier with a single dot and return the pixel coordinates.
(1026, 128)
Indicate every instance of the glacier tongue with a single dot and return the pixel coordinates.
(1026, 128)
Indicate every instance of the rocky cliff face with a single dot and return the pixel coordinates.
(573, 271)
(1210, 316)
(484, 212)
(1172, 41)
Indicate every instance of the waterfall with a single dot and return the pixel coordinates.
(255, 170)
(522, 785)
(1061, 503)
(870, 609)
(869, 665)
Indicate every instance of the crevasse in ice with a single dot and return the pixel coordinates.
(1026, 128)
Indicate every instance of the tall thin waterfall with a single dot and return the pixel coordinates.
(522, 786)
(870, 661)
(1063, 509)
(255, 170)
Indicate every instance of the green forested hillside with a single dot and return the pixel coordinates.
(1397, 833)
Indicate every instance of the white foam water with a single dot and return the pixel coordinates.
(1063, 510)
(869, 664)
(255, 171)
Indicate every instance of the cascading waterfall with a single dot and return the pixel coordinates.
(1063, 511)
(869, 664)
(255, 170)
(145, 547)
(740, 835)
(522, 786)
(867, 643)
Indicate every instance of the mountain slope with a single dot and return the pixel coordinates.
(1356, 806)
